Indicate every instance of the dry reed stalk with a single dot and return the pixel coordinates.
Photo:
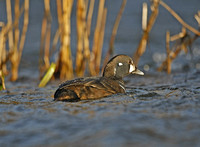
(81, 16)
(168, 60)
(9, 22)
(86, 37)
(60, 29)
(65, 68)
(48, 35)
(178, 36)
(44, 62)
(182, 43)
(16, 56)
(3, 67)
(179, 18)
(4, 59)
(197, 17)
(13, 58)
(114, 32)
(86, 43)
(16, 25)
(42, 41)
(144, 16)
(86, 47)
(3, 53)
(89, 16)
(47, 46)
(2, 47)
(59, 11)
(143, 42)
(86, 5)
(83, 51)
(1, 24)
(93, 57)
(58, 32)
(100, 43)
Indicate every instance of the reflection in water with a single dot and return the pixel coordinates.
(156, 110)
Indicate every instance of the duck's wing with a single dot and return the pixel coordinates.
(71, 82)
(95, 82)
(102, 84)
(88, 88)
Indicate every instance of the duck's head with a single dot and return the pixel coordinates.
(120, 66)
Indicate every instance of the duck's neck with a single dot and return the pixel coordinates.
(119, 79)
(113, 77)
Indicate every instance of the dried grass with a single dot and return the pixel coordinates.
(184, 40)
(86, 59)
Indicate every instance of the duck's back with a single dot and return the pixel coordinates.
(88, 88)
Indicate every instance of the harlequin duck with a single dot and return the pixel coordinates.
(96, 87)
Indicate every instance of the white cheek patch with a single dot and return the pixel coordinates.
(120, 64)
(131, 68)
(114, 71)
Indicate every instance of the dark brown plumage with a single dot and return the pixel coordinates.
(96, 87)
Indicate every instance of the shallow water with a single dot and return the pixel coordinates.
(157, 110)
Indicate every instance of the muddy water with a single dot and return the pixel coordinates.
(157, 110)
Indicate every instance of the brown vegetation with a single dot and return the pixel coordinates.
(10, 33)
(183, 39)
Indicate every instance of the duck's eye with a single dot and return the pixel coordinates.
(120, 64)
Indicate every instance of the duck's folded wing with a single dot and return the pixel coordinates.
(71, 82)
(92, 88)
(101, 84)
(95, 82)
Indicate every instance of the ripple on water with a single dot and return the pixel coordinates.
(154, 114)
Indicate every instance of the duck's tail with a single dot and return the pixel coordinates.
(62, 94)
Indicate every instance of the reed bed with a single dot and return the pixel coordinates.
(184, 40)
(13, 39)
(88, 58)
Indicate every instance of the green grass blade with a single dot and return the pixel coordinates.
(48, 75)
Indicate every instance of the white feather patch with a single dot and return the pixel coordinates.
(114, 71)
(131, 68)
(120, 64)
(122, 87)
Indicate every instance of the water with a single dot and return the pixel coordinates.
(157, 110)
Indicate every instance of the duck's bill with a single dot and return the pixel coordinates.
(138, 72)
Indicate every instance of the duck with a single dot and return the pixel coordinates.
(111, 82)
